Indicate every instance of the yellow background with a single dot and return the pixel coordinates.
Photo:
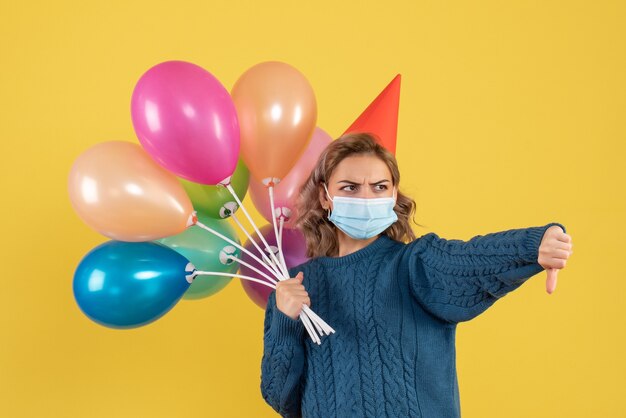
(512, 115)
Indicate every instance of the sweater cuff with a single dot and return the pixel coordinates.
(285, 329)
(533, 240)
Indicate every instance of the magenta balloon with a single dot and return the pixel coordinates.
(294, 250)
(286, 192)
(186, 120)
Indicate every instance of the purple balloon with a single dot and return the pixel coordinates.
(186, 120)
(294, 251)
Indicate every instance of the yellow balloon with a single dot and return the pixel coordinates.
(118, 190)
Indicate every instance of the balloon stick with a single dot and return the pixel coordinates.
(280, 230)
(240, 276)
(306, 315)
(309, 327)
(277, 273)
(270, 189)
(251, 267)
(256, 229)
(230, 241)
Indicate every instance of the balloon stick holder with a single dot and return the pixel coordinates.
(274, 264)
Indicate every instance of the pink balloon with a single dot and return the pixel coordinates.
(294, 250)
(286, 192)
(186, 120)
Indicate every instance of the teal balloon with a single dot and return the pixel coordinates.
(129, 284)
(207, 252)
(216, 201)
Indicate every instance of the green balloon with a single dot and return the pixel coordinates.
(207, 252)
(216, 201)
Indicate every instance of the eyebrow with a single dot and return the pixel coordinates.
(371, 184)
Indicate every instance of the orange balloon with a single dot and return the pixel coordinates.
(277, 114)
(118, 190)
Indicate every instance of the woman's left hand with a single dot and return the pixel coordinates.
(554, 250)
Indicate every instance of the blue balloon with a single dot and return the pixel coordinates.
(129, 284)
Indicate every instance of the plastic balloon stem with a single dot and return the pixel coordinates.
(277, 264)
(230, 257)
(270, 189)
(214, 273)
(280, 231)
(316, 319)
(230, 241)
(327, 328)
(309, 328)
(318, 327)
(306, 326)
(256, 229)
(307, 320)
(277, 273)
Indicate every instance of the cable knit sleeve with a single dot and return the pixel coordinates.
(457, 280)
(282, 366)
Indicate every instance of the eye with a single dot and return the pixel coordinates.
(381, 187)
(345, 188)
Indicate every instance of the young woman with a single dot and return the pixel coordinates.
(393, 300)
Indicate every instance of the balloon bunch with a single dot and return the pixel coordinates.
(201, 149)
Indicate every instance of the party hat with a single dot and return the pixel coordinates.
(381, 116)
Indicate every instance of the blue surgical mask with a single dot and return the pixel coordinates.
(362, 218)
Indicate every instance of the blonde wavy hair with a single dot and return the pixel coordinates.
(319, 232)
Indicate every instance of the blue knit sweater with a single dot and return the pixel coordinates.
(394, 307)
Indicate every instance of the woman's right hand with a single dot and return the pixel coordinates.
(290, 295)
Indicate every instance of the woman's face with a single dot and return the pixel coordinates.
(364, 176)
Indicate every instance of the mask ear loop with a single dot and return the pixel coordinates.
(331, 199)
